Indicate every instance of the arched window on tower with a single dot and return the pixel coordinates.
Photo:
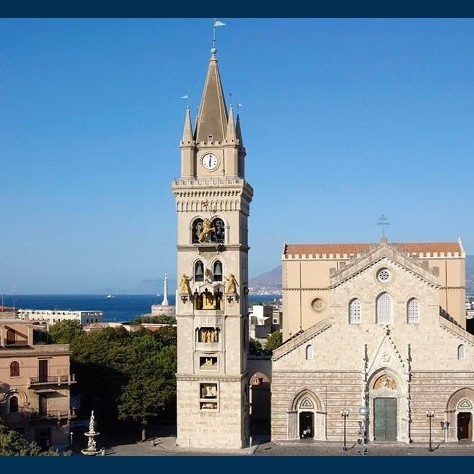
(14, 369)
(461, 352)
(384, 309)
(218, 235)
(196, 230)
(217, 270)
(199, 271)
(355, 312)
(413, 315)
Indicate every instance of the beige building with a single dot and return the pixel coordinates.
(35, 383)
(380, 326)
(212, 204)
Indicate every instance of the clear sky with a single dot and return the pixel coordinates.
(344, 120)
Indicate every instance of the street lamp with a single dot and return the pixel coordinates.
(430, 414)
(70, 434)
(364, 411)
(344, 414)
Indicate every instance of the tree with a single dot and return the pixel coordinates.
(65, 332)
(274, 340)
(255, 347)
(151, 388)
(13, 444)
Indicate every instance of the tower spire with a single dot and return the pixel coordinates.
(231, 132)
(188, 129)
(212, 118)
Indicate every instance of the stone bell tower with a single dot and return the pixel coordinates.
(212, 203)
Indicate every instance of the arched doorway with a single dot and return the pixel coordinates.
(306, 417)
(386, 406)
(458, 424)
(464, 425)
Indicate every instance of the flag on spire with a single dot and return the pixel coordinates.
(218, 23)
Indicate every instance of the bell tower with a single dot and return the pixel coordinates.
(212, 204)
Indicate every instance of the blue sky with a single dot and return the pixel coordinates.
(344, 120)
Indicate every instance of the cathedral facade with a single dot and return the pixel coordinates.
(375, 344)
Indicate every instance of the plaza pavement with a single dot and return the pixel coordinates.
(163, 443)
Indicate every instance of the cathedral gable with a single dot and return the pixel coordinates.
(384, 254)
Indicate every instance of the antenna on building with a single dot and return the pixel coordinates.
(383, 221)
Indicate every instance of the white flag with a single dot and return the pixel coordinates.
(185, 97)
(218, 23)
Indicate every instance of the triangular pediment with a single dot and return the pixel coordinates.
(390, 254)
(387, 356)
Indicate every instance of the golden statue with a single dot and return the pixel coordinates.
(232, 285)
(184, 284)
(206, 230)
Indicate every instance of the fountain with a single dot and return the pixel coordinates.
(91, 449)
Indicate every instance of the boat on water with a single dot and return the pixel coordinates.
(110, 296)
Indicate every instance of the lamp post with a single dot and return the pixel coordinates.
(364, 411)
(344, 414)
(70, 435)
(445, 427)
(430, 415)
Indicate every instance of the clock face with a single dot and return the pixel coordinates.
(210, 161)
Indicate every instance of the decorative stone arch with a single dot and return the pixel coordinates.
(386, 386)
(21, 397)
(459, 421)
(306, 410)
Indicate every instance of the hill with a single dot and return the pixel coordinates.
(268, 283)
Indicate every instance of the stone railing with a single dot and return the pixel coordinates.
(299, 339)
(457, 330)
(52, 380)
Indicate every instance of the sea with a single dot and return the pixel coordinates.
(116, 308)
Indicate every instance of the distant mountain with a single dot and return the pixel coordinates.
(266, 283)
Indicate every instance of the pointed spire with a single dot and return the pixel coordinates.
(212, 118)
(238, 131)
(188, 128)
(230, 136)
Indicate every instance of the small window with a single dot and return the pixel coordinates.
(383, 275)
(355, 312)
(413, 311)
(13, 404)
(461, 352)
(309, 352)
(384, 309)
(208, 396)
(14, 369)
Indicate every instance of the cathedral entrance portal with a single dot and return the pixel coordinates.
(385, 419)
(464, 425)
(306, 424)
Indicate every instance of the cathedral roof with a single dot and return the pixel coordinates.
(418, 248)
(212, 117)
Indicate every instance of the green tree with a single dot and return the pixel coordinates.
(151, 389)
(273, 341)
(255, 347)
(13, 444)
(65, 332)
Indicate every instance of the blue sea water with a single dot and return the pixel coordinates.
(120, 308)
